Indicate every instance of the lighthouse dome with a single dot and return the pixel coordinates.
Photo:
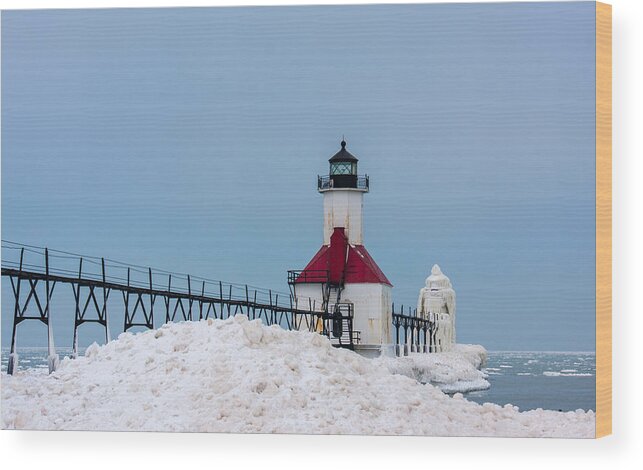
(343, 167)
(343, 155)
(342, 173)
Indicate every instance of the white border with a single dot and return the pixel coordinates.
(71, 450)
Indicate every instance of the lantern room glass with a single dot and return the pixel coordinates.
(343, 168)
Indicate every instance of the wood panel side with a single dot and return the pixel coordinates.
(603, 219)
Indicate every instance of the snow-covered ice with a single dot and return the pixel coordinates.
(457, 370)
(237, 375)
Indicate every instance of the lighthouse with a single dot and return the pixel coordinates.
(342, 277)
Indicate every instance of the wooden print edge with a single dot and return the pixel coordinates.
(603, 219)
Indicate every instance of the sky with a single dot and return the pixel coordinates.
(190, 139)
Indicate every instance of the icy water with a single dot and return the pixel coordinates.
(549, 380)
(34, 358)
(529, 380)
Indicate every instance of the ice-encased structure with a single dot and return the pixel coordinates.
(437, 303)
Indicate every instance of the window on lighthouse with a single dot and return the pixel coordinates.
(343, 168)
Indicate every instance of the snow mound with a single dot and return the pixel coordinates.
(454, 371)
(237, 375)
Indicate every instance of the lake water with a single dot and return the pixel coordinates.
(550, 380)
(529, 380)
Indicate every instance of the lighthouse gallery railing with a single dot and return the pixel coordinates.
(350, 181)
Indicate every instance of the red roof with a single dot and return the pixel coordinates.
(340, 259)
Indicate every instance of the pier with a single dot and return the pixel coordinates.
(143, 293)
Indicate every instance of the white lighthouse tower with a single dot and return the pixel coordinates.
(343, 192)
(342, 276)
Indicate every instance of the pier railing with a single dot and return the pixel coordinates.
(413, 333)
(146, 293)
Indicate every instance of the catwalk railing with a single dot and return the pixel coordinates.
(419, 334)
(146, 292)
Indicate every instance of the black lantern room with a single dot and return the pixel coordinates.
(343, 172)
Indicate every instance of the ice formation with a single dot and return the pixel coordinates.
(437, 303)
(237, 375)
(457, 370)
